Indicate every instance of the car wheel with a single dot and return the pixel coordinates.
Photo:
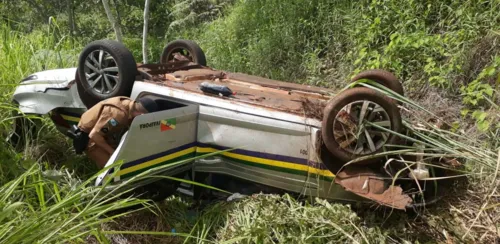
(106, 69)
(382, 77)
(155, 191)
(22, 130)
(179, 50)
(346, 127)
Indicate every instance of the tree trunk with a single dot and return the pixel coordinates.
(116, 4)
(116, 25)
(145, 32)
(71, 17)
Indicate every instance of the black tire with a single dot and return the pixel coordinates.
(121, 80)
(23, 129)
(157, 190)
(87, 99)
(187, 48)
(352, 96)
(382, 77)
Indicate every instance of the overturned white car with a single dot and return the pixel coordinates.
(275, 136)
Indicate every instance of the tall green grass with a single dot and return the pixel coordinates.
(23, 54)
(282, 219)
(318, 42)
(41, 202)
(51, 207)
(41, 199)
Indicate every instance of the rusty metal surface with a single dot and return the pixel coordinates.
(277, 84)
(196, 74)
(156, 69)
(365, 183)
(276, 95)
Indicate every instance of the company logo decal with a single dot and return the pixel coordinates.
(168, 124)
(149, 125)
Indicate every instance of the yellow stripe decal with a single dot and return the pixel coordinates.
(270, 162)
(275, 163)
(156, 161)
(70, 118)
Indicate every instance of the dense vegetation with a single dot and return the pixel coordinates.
(447, 54)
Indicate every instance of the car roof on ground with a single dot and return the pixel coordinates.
(276, 95)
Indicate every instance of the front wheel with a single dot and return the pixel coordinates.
(106, 69)
(23, 129)
(357, 122)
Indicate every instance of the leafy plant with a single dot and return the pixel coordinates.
(189, 13)
(480, 92)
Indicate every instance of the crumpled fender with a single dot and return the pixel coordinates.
(44, 91)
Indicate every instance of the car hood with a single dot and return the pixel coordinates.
(51, 76)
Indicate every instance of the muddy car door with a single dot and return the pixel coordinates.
(157, 139)
(268, 151)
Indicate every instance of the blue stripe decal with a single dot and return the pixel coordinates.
(237, 151)
(158, 155)
(154, 156)
(270, 156)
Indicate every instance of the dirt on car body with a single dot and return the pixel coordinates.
(365, 183)
(276, 95)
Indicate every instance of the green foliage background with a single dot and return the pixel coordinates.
(452, 46)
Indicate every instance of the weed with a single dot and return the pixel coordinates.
(440, 44)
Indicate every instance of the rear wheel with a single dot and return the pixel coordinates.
(106, 69)
(179, 50)
(356, 121)
(382, 77)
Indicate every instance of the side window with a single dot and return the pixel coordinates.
(164, 103)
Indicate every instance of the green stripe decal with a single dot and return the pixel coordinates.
(270, 167)
(177, 159)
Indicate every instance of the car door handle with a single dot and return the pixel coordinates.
(214, 160)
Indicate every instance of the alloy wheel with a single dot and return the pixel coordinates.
(101, 71)
(354, 134)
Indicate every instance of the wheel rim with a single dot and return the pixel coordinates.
(101, 71)
(352, 132)
(179, 51)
